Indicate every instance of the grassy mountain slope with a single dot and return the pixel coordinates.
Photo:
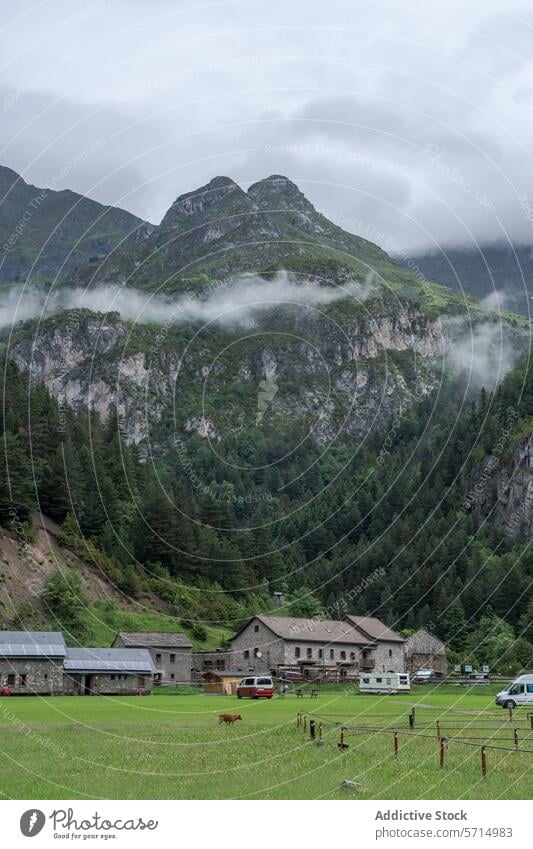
(44, 234)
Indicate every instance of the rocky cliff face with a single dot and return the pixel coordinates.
(502, 492)
(341, 373)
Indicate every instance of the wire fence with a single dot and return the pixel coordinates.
(474, 731)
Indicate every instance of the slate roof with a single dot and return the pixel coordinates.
(32, 644)
(109, 660)
(155, 640)
(314, 630)
(374, 628)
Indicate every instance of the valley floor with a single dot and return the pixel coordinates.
(172, 747)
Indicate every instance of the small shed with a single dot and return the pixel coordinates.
(221, 683)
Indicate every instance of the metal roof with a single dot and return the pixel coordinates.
(109, 660)
(154, 639)
(32, 644)
(33, 650)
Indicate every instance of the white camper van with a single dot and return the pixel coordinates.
(520, 692)
(384, 682)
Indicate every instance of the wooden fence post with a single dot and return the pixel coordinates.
(483, 762)
(312, 729)
(516, 738)
(305, 723)
(438, 729)
(510, 714)
(396, 743)
(442, 747)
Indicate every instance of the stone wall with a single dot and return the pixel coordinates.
(174, 664)
(389, 656)
(107, 684)
(43, 676)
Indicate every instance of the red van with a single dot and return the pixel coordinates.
(260, 687)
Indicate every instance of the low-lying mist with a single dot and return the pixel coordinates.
(227, 302)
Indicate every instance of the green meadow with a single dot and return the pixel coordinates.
(172, 747)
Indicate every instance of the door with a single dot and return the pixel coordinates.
(87, 685)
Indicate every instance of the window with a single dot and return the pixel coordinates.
(352, 655)
(309, 653)
(113, 677)
(529, 688)
(249, 682)
(390, 652)
(297, 651)
(173, 658)
(366, 680)
(516, 689)
(171, 676)
(379, 680)
(46, 676)
(388, 681)
(23, 679)
(256, 629)
(320, 654)
(332, 654)
(266, 682)
(10, 680)
(343, 655)
(158, 658)
(246, 653)
(256, 652)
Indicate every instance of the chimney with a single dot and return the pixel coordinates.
(278, 599)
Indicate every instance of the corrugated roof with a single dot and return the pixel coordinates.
(314, 630)
(32, 644)
(374, 628)
(109, 660)
(155, 639)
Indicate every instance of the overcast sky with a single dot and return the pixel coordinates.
(410, 123)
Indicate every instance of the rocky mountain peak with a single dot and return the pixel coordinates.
(278, 192)
(200, 202)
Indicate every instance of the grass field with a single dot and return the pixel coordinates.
(168, 746)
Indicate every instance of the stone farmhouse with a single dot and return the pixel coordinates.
(39, 663)
(170, 653)
(388, 656)
(331, 650)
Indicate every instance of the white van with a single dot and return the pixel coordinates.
(520, 692)
(384, 682)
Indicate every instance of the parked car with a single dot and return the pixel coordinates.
(427, 676)
(519, 692)
(474, 678)
(257, 687)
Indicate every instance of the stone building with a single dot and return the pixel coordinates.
(424, 650)
(171, 653)
(388, 656)
(31, 662)
(93, 672)
(315, 647)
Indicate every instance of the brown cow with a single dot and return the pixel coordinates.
(228, 718)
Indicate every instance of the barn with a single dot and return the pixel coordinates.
(31, 662)
(93, 672)
(425, 650)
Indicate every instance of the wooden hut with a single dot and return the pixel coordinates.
(221, 683)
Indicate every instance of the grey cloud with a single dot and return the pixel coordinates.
(183, 94)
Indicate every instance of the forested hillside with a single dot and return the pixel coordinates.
(214, 540)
